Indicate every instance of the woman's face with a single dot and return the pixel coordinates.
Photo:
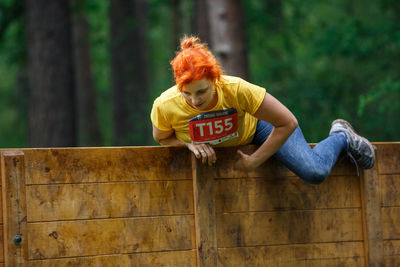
(200, 94)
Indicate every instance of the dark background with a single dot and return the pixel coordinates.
(85, 73)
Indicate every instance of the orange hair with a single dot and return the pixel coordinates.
(194, 62)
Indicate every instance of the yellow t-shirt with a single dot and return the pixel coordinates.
(170, 110)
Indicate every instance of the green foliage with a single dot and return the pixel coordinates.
(330, 59)
(323, 59)
(97, 14)
(13, 94)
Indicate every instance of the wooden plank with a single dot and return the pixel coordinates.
(272, 168)
(391, 247)
(286, 193)
(390, 222)
(323, 254)
(373, 240)
(108, 200)
(14, 208)
(288, 227)
(390, 190)
(1, 244)
(49, 166)
(110, 236)
(170, 258)
(1, 201)
(388, 158)
(1, 218)
(346, 262)
(391, 252)
(204, 210)
(392, 261)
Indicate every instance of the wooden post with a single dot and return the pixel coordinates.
(204, 213)
(14, 208)
(373, 239)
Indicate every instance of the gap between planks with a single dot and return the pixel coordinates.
(113, 218)
(294, 244)
(116, 182)
(270, 178)
(288, 210)
(116, 254)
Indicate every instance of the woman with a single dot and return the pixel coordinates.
(206, 108)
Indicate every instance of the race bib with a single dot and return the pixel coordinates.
(214, 127)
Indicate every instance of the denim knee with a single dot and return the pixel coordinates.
(315, 176)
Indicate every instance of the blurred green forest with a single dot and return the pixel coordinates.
(322, 59)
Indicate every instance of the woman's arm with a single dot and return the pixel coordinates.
(274, 112)
(168, 138)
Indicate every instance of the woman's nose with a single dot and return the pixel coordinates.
(196, 101)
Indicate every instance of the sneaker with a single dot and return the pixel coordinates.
(359, 148)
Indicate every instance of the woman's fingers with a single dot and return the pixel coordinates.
(205, 152)
(213, 157)
(210, 154)
(195, 150)
(240, 153)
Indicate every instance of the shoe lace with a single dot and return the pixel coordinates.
(354, 161)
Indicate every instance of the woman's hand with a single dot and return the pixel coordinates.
(245, 162)
(203, 151)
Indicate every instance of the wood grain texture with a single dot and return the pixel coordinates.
(1, 219)
(49, 166)
(271, 168)
(14, 208)
(1, 190)
(286, 193)
(113, 236)
(390, 190)
(373, 240)
(204, 210)
(390, 222)
(392, 261)
(391, 247)
(388, 158)
(288, 227)
(323, 254)
(268, 217)
(1, 244)
(392, 252)
(108, 200)
(165, 259)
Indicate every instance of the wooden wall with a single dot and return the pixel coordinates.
(157, 206)
(389, 188)
(272, 218)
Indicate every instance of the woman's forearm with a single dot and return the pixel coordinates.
(272, 144)
(172, 141)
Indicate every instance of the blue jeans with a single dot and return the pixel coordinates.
(313, 165)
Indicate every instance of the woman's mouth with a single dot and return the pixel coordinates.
(199, 105)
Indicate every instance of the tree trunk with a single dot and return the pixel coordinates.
(228, 39)
(275, 12)
(176, 29)
(129, 81)
(202, 22)
(50, 68)
(88, 126)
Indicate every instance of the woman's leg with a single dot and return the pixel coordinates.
(311, 165)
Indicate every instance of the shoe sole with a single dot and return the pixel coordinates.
(372, 147)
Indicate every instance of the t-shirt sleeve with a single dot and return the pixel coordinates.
(249, 96)
(158, 117)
